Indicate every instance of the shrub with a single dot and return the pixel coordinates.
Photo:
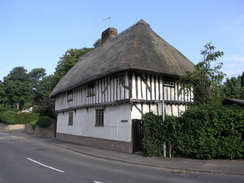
(153, 136)
(33, 123)
(203, 132)
(11, 117)
(45, 121)
(208, 132)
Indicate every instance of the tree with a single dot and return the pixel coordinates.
(232, 88)
(97, 43)
(46, 85)
(2, 92)
(242, 79)
(68, 60)
(17, 87)
(242, 85)
(206, 79)
(36, 76)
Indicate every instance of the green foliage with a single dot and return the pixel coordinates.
(207, 132)
(17, 87)
(242, 79)
(45, 121)
(232, 88)
(46, 107)
(97, 43)
(203, 132)
(68, 60)
(206, 79)
(11, 117)
(46, 86)
(33, 123)
(153, 136)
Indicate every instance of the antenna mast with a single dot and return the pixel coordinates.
(109, 18)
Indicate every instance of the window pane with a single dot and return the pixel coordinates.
(91, 90)
(99, 117)
(70, 118)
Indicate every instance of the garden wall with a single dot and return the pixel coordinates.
(11, 127)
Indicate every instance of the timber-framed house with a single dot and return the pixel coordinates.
(102, 97)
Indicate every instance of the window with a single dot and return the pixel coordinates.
(70, 118)
(169, 81)
(99, 117)
(121, 80)
(69, 96)
(91, 90)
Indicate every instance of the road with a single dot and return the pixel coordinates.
(28, 161)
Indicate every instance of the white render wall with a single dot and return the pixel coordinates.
(117, 123)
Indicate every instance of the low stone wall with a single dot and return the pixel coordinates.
(11, 127)
(40, 131)
(29, 128)
(44, 131)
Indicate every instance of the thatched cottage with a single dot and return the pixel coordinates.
(103, 97)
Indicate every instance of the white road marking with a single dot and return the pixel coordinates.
(97, 181)
(45, 165)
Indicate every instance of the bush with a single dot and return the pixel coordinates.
(33, 123)
(45, 121)
(11, 117)
(208, 132)
(203, 132)
(153, 136)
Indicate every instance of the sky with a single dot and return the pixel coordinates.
(36, 33)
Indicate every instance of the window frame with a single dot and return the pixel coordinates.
(99, 117)
(121, 79)
(169, 81)
(71, 119)
(69, 96)
(91, 90)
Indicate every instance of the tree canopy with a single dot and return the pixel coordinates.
(232, 88)
(68, 60)
(17, 87)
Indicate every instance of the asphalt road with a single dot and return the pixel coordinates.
(33, 161)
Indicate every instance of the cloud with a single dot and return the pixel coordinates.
(233, 65)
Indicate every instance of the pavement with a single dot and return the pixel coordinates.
(176, 165)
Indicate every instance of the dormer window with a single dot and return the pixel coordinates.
(169, 81)
(70, 96)
(91, 90)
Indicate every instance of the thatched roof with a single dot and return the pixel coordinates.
(137, 48)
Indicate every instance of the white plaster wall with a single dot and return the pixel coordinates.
(138, 108)
(117, 123)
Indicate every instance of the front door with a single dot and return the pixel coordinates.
(137, 135)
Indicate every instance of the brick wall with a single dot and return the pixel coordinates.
(96, 142)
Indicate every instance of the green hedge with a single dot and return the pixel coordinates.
(153, 136)
(11, 117)
(204, 132)
(45, 121)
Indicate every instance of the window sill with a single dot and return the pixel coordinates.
(90, 95)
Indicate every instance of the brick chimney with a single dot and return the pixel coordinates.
(108, 34)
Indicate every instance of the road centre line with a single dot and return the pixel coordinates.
(45, 165)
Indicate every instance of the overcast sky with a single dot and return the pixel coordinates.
(36, 33)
